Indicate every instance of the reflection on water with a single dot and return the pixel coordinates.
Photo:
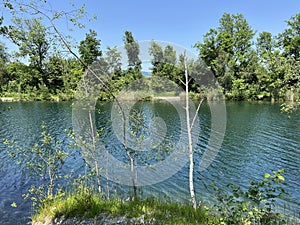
(258, 139)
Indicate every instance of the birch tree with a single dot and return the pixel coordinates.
(190, 123)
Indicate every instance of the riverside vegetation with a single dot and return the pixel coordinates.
(254, 206)
(247, 65)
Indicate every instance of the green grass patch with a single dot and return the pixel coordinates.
(87, 205)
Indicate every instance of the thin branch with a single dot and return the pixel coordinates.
(182, 82)
(196, 114)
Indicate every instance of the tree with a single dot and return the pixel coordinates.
(134, 63)
(3, 71)
(32, 38)
(89, 48)
(113, 59)
(290, 38)
(40, 44)
(20, 77)
(111, 64)
(44, 160)
(56, 70)
(157, 53)
(164, 63)
(133, 51)
(169, 55)
(190, 123)
(270, 59)
(227, 50)
(73, 74)
(265, 45)
(289, 41)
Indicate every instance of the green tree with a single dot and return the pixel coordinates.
(133, 51)
(228, 51)
(265, 45)
(19, 77)
(157, 53)
(289, 39)
(44, 161)
(32, 38)
(169, 69)
(56, 70)
(164, 63)
(111, 67)
(3, 63)
(40, 44)
(113, 59)
(169, 55)
(89, 48)
(270, 59)
(73, 74)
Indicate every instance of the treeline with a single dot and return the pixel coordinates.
(248, 65)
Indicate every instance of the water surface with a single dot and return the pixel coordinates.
(258, 139)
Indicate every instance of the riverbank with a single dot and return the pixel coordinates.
(137, 96)
(92, 209)
(253, 206)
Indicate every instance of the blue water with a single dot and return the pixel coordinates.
(258, 139)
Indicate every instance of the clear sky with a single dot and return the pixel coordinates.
(180, 22)
(183, 22)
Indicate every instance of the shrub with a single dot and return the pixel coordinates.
(255, 205)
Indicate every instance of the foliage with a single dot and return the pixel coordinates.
(165, 64)
(4, 76)
(266, 70)
(44, 161)
(226, 49)
(256, 205)
(32, 38)
(290, 38)
(89, 48)
(263, 69)
(133, 50)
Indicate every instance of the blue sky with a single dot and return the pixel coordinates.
(183, 22)
(180, 22)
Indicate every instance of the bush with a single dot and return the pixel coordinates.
(255, 205)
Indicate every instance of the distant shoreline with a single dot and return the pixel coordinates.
(7, 99)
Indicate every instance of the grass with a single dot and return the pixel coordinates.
(85, 205)
(253, 206)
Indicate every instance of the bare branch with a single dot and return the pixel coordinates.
(182, 82)
(196, 114)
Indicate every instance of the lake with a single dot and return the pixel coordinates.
(259, 139)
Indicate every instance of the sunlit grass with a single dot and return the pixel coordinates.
(85, 205)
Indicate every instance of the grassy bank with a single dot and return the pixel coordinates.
(149, 211)
(24, 97)
(83, 207)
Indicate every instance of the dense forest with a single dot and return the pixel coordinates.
(248, 65)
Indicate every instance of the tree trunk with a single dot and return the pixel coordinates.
(94, 152)
(190, 142)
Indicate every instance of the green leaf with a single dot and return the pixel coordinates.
(280, 178)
